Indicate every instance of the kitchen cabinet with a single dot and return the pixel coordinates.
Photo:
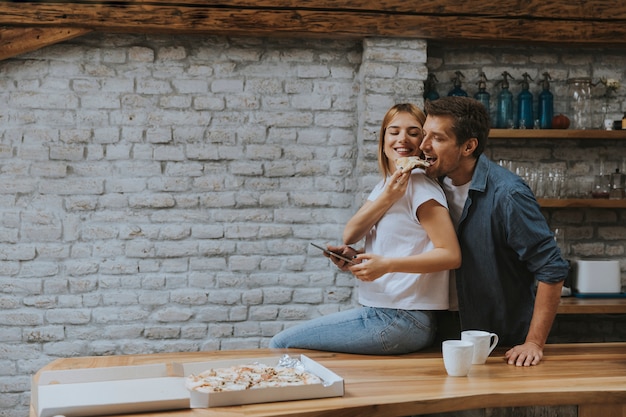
(557, 134)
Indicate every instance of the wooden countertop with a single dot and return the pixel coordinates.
(590, 375)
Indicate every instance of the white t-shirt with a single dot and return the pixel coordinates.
(456, 196)
(399, 233)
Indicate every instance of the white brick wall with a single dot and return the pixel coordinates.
(159, 193)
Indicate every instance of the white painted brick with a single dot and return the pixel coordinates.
(97, 232)
(44, 334)
(118, 151)
(50, 169)
(88, 117)
(9, 335)
(39, 269)
(100, 101)
(151, 201)
(106, 135)
(163, 184)
(189, 133)
(161, 332)
(195, 331)
(152, 86)
(244, 102)
(247, 329)
(169, 153)
(227, 86)
(313, 71)
(81, 267)
(175, 265)
(44, 100)
(29, 317)
(175, 102)
(113, 201)
(52, 250)
(224, 297)
(218, 200)
(172, 53)
(176, 249)
(220, 330)
(238, 313)
(209, 103)
(264, 313)
(9, 235)
(35, 152)
(117, 267)
(264, 86)
(294, 312)
(243, 263)
(20, 252)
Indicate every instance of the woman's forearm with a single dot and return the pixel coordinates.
(435, 260)
(364, 219)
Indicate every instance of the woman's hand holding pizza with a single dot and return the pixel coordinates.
(397, 185)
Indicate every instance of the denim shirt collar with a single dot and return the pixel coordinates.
(481, 172)
(478, 184)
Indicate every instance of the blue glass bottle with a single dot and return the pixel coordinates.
(545, 106)
(525, 117)
(456, 82)
(504, 116)
(430, 88)
(482, 95)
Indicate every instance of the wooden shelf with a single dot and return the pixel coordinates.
(556, 134)
(581, 203)
(575, 305)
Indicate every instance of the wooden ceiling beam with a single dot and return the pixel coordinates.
(16, 41)
(25, 26)
(553, 9)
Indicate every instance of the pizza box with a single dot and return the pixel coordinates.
(332, 385)
(105, 391)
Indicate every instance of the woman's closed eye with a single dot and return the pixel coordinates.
(416, 133)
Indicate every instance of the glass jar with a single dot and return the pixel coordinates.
(579, 102)
(601, 186)
(617, 185)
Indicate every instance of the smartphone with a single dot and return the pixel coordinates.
(336, 255)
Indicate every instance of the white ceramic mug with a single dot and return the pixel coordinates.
(484, 343)
(457, 356)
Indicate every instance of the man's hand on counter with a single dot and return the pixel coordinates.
(524, 355)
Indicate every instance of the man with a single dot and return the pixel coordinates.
(507, 247)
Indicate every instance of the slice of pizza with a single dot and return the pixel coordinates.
(410, 162)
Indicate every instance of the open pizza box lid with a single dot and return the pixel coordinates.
(106, 391)
(332, 385)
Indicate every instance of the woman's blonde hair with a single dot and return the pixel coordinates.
(384, 165)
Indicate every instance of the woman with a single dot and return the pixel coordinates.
(410, 244)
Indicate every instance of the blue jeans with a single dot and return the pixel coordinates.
(364, 330)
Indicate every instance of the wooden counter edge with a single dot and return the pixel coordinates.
(575, 305)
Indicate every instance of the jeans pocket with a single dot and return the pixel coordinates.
(406, 331)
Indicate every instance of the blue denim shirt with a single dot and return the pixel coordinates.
(506, 244)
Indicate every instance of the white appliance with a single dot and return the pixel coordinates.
(594, 276)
